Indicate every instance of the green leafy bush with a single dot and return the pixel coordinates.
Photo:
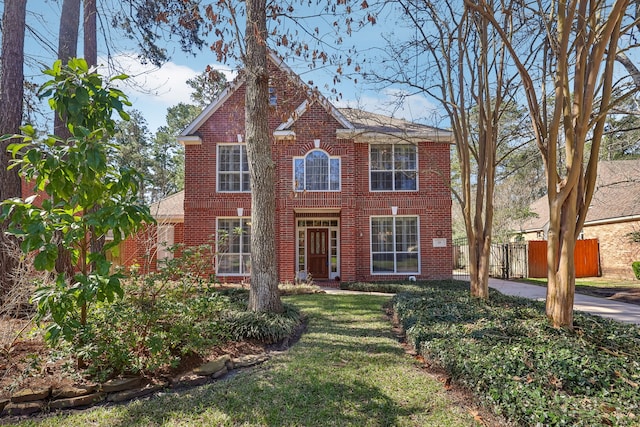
(636, 269)
(154, 326)
(264, 327)
(158, 322)
(299, 288)
(86, 197)
(506, 352)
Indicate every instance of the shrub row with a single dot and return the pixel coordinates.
(157, 324)
(507, 353)
(385, 287)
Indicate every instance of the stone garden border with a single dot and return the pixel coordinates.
(31, 401)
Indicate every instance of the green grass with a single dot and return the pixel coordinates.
(347, 369)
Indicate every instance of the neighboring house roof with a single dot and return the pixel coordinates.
(615, 198)
(357, 124)
(169, 209)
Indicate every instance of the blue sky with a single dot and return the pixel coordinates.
(152, 90)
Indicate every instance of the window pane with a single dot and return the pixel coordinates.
(406, 235)
(246, 264)
(383, 263)
(382, 235)
(245, 162)
(246, 184)
(381, 180)
(334, 174)
(405, 157)
(230, 158)
(407, 263)
(317, 171)
(229, 182)
(228, 264)
(406, 181)
(381, 157)
(233, 169)
(298, 171)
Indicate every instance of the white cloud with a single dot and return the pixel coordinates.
(154, 89)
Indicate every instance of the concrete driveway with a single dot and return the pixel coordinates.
(623, 312)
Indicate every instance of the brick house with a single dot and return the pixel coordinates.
(613, 214)
(359, 196)
(153, 243)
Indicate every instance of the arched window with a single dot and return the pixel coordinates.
(317, 171)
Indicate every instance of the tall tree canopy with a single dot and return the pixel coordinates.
(569, 94)
(450, 53)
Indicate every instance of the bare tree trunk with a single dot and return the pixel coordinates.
(263, 295)
(560, 262)
(67, 49)
(11, 101)
(90, 33)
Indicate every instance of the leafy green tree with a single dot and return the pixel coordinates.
(168, 154)
(206, 86)
(135, 150)
(86, 197)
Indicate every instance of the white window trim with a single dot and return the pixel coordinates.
(242, 219)
(371, 190)
(303, 158)
(227, 144)
(394, 273)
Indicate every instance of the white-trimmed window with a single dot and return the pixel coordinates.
(395, 247)
(233, 246)
(393, 167)
(233, 168)
(317, 171)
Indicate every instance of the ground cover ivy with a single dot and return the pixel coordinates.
(505, 351)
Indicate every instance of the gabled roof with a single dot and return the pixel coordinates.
(169, 209)
(368, 126)
(357, 124)
(185, 135)
(615, 198)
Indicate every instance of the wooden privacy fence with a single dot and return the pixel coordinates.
(587, 258)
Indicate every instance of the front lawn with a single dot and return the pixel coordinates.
(347, 369)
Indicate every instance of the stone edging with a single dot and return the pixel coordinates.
(30, 401)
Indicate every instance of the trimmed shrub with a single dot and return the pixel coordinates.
(636, 269)
(268, 328)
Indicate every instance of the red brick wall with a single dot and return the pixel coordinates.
(617, 252)
(354, 202)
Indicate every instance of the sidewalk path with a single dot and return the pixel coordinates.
(620, 311)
